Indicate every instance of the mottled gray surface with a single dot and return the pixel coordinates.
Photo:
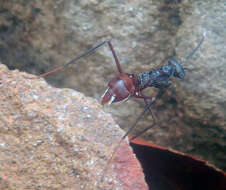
(39, 36)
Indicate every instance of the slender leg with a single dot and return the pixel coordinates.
(146, 101)
(87, 52)
(147, 107)
(121, 140)
(140, 95)
(150, 126)
(147, 128)
(115, 57)
(143, 131)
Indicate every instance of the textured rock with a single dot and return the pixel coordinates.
(40, 35)
(58, 139)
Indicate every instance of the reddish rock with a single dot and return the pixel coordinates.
(58, 139)
(128, 170)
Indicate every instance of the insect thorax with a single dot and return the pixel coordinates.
(158, 78)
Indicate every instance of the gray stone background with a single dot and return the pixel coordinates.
(37, 36)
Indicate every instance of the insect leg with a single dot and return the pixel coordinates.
(147, 128)
(153, 118)
(115, 57)
(121, 140)
(87, 52)
(148, 106)
(151, 126)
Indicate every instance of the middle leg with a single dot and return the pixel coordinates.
(147, 108)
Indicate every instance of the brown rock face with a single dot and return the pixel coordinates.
(58, 139)
(37, 36)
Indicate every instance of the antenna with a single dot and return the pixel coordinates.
(194, 51)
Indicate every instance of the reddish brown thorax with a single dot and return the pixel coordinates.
(119, 88)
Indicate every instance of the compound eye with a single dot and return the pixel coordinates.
(179, 69)
(182, 75)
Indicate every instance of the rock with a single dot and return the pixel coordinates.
(58, 139)
(41, 35)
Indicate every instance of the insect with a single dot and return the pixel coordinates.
(124, 85)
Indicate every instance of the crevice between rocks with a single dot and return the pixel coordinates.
(167, 169)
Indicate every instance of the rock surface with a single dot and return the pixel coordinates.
(41, 35)
(59, 139)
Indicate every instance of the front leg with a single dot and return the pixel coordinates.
(139, 94)
(146, 98)
(147, 107)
